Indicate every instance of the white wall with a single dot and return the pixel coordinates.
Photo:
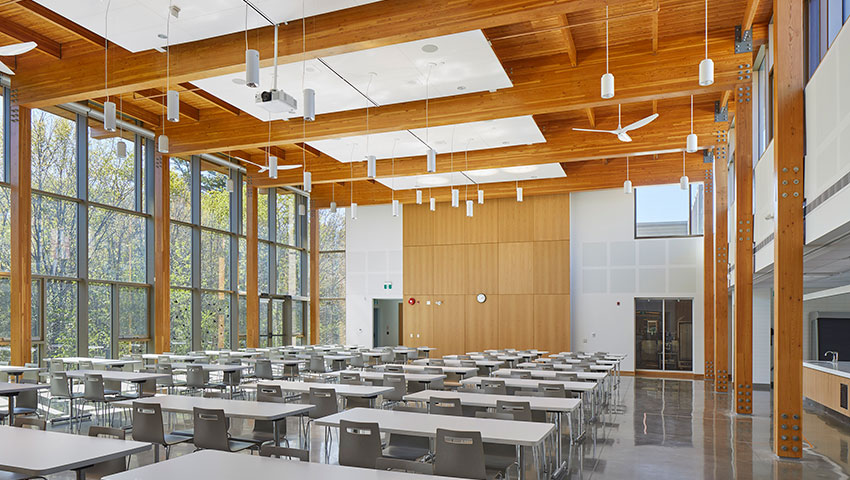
(610, 268)
(762, 323)
(372, 256)
(764, 208)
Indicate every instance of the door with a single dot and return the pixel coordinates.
(664, 334)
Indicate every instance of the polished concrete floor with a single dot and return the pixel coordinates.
(677, 429)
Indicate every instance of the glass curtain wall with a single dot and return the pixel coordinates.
(332, 276)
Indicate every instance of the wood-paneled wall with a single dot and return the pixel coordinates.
(516, 253)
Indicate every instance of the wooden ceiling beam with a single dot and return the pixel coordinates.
(353, 29)
(569, 43)
(541, 86)
(591, 117)
(23, 34)
(312, 151)
(654, 26)
(749, 14)
(157, 96)
(276, 151)
(62, 22)
(210, 98)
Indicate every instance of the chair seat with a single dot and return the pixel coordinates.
(255, 438)
(174, 439)
(24, 411)
(183, 433)
(14, 476)
(236, 445)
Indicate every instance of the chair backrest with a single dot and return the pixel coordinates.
(317, 363)
(31, 423)
(59, 386)
(263, 369)
(291, 370)
(269, 393)
(55, 365)
(108, 467)
(210, 429)
(493, 387)
(520, 410)
(147, 423)
(359, 444)
(357, 360)
(27, 399)
(275, 451)
(468, 363)
(399, 384)
(566, 376)
(437, 362)
(395, 369)
(387, 356)
(445, 406)
(459, 454)
(520, 374)
(350, 378)
(93, 388)
(495, 415)
(167, 369)
(554, 390)
(433, 370)
(32, 375)
(233, 378)
(86, 365)
(195, 377)
(325, 401)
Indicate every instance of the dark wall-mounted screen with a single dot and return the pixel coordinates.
(834, 335)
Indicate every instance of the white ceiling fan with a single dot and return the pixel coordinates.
(13, 50)
(622, 132)
(264, 168)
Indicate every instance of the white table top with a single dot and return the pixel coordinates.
(421, 368)
(533, 383)
(506, 372)
(215, 465)
(12, 369)
(99, 361)
(362, 391)
(410, 377)
(173, 357)
(209, 367)
(506, 432)
(556, 366)
(608, 362)
(456, 363)
(276, 361)
(602, 368)
(232, 408)
(37, 453)
(7, 388)
(234, 353)
(118, 375)
(548, 404)
(307, 356)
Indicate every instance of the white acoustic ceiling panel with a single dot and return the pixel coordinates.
(473, 177)
(137, 25)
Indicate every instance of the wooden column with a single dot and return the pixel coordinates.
(708, 277)
(314, 276)
(721, 270)
(162, 251)
(788, 145)
(743, 371)
(252, 300)
(20, 140)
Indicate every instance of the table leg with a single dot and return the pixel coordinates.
(80, 473)
(11, 410)
(521, 463)
(276, 429)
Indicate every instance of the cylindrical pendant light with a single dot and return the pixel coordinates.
(691, 142)
(309, 104)
(518, 194)
(252, 68)
(433, 203)
(683, 182)
(395, 208)
(172, 99)
(354, 211)
(121, 149)
(272, 166)
(230, 185)
(431, 163)
(419, 197)
(455, 197)
(608, 78)
(109, 119)
(162, 144)
(481, 197)
(333, 207)
(302, 210)
(308, 181)
(706, 67)
(371, 166)
(469, 208)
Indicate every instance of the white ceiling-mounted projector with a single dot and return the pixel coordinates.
(276, 101)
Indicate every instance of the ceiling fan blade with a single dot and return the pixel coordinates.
(287, 167)
(640, 123)
(591, 130)
(5, 69)
(16, 49)
(624, 137)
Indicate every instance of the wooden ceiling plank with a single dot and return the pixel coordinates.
(568, 40)
(23, 34)
(591, 117)
(60, 21)
(211, 98)
(655, 26)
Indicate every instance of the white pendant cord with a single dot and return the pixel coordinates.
(269, 144)
(683, 163)
(167, 60)
(607, 70)
(392, 187)
(303, 81)
(706, 28)
(452, 160)
(619, 115)
(627, 167)
(351, 174)
(368, 87)
(106, 50)
(466, 166)
(427, 82)
(692, 114)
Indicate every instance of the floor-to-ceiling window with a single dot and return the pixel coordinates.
(215, 237)
(180, 179)
(332, 276)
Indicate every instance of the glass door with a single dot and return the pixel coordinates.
(664, 334)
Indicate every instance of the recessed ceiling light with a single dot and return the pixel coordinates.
(239, 81)
(520, 169)
(412, 82)
(482, 173)
(461, 88)
(162, 36)
(311, 69)
(441, 142)
(505, 143)
(435, 180)
(430, 48)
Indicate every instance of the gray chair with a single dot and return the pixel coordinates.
(459, 454)
(211, 431)
(168, 382)
(317, 364)
(399, 384)
(263, 369)
(493, 387)
(108, 467)
(148, 427)
(31, 423)
(94, 392)
(278, 452)
(291, 372)
(520, 374)
(394, 368)
(552, 390)
(359, 444)
(60, 389)
(350, 378)
(407, 447)
(437, 384)
(32, 375)
(263, 431)
(520, 410)
(325, 402)
(26, 403)
(566, 376)
(357, 360)
(445, 406)
(437, 362)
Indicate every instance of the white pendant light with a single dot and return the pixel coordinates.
(433, 203)
(333, 207)
(172, 100)
(309, 104)
(419, 197)
(252, 68)
(109, 119)
(371, 166)
(683, 182)
(608, 78)
(431, 163)
(518, 194)
(230, 185)
(455, 198)
(481, 197)
(691, 141)
(469, 208)
(302, 210)
(395, 208)
(706, 67)
(121, 149)
(272, 166)
(162, 144)
(354, 211)
(308, 181)
(627, 185)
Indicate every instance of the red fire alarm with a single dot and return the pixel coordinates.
(411, 301)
